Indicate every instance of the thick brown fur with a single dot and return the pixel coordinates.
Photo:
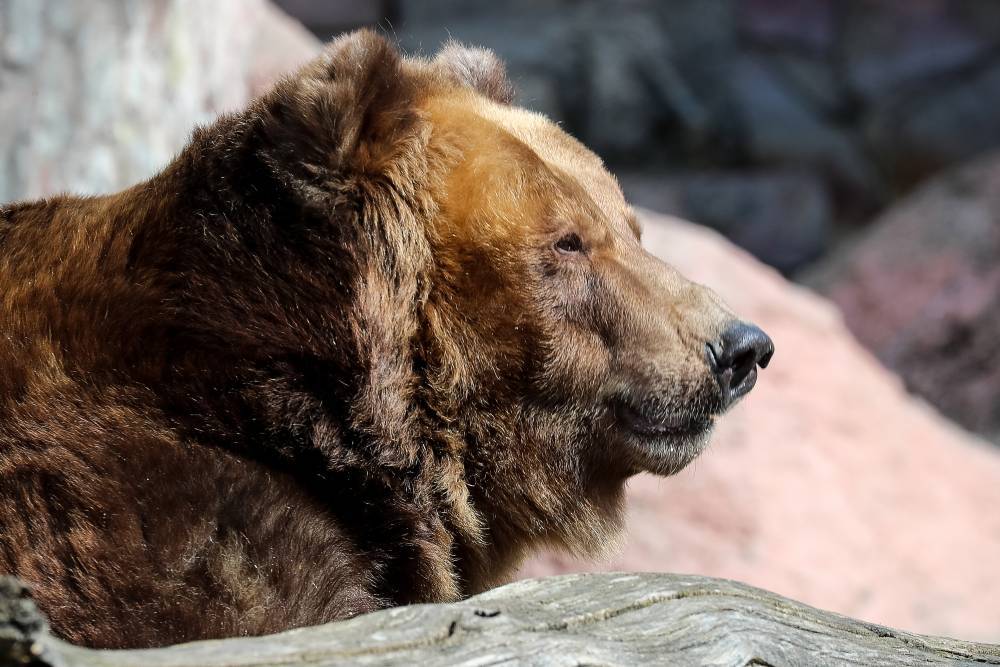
(339, 355)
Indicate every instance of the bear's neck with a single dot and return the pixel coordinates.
(296, 343)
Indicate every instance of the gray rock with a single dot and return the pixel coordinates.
(539, 92)
(811, 78)
(914, 135)
(632, 86)
(703, 39)
(97, 96)
(801, 24)
(21, 47)
(890, 45)
(782, 128)
(442, 12)
(982, 18)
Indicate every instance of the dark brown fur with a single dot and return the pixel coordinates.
(315, 367)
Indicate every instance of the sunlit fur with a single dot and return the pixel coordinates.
(331, 359)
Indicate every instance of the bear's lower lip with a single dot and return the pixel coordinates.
(663, 446)
(663, 425)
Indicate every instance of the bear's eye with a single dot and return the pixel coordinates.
(570, 243)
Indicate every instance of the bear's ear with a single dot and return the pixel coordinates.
(352, 108)
(479, 69)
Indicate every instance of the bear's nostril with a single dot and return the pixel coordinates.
(742, 366)
(735, 356)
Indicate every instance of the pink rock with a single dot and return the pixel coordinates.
(828, 484)
(921, 288)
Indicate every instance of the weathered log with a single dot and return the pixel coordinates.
(595, 619)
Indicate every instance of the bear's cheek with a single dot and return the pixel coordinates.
(575, 366)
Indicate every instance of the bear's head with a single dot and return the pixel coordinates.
(501, 292)
(579, 357)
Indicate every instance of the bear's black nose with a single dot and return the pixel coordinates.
(735, 356)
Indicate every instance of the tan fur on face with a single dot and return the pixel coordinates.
(521, 159)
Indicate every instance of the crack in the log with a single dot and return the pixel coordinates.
(646, 602)
(440, 637)
(791, 610)
(603, 615)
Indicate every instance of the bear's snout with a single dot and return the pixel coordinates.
(735, 356)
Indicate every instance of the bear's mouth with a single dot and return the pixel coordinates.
(661, 424)
(661, 441)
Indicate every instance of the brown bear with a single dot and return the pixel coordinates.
(366, 343)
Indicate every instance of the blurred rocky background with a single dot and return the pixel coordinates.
(852, 145)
